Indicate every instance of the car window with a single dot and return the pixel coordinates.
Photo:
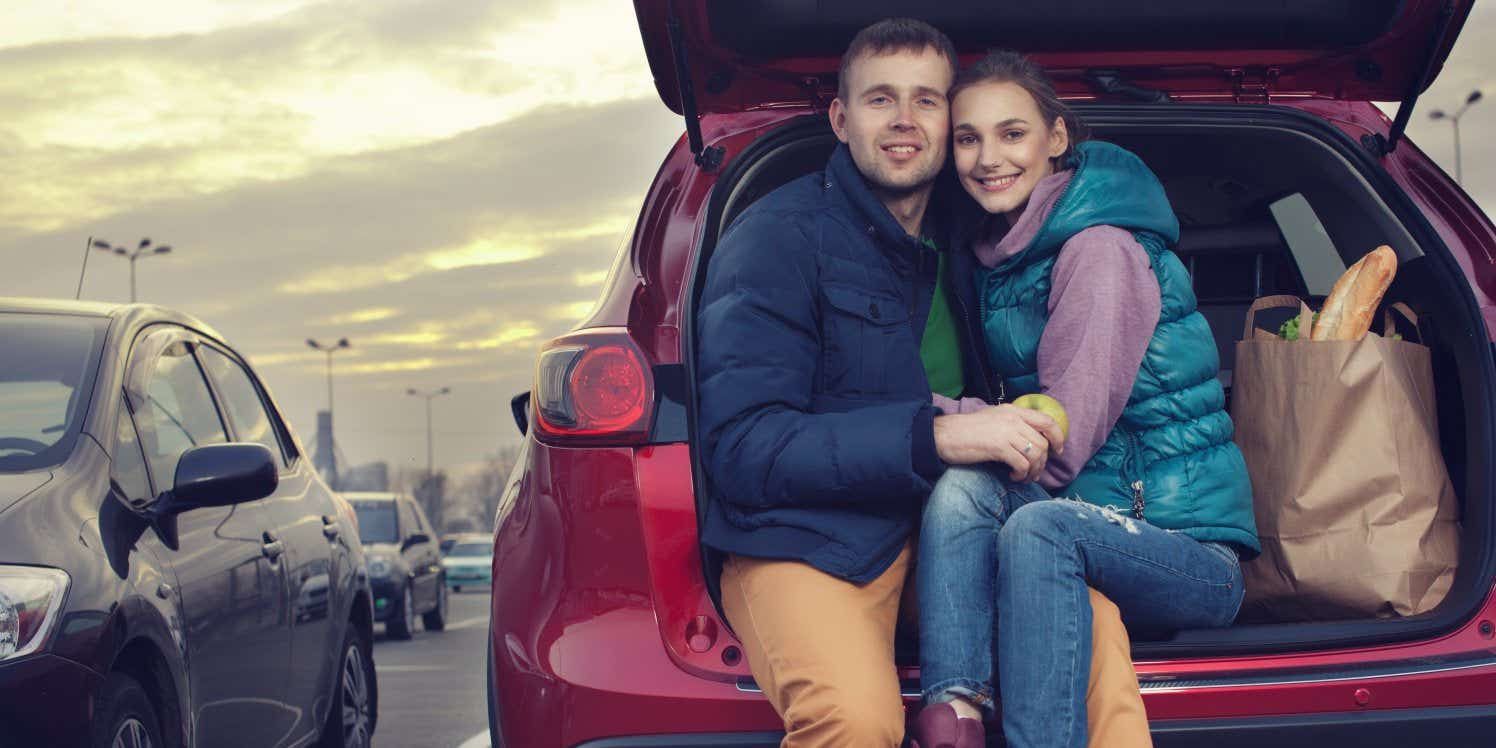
(408, 523)
(176, 413)
(421, 520)
(470, 549)
(376, 521)
(241, 399)
(46, 376)
(1319, 262)
(128, 471)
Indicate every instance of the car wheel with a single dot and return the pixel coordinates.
(351, 716)
(124, 716)
(400, 626)
(436, 618)
(457, 588)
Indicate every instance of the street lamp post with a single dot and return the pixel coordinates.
(144, 249)
(1454, 119)
(332, 459)
(429, 396)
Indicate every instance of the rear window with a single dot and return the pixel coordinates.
(376, 521)
(470, 549)
(46, 378)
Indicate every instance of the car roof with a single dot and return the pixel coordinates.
(132, 314)
(58, 306)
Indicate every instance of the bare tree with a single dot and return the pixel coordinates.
(485, 488)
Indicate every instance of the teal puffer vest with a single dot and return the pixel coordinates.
(1170, 458)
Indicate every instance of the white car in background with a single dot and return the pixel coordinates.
(469, 562)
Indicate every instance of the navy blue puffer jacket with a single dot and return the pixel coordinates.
(814, 411)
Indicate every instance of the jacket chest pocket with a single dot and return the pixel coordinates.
(865, 340)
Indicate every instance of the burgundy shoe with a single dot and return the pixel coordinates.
(938, 727)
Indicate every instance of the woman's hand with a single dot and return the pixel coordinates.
(1017, 437)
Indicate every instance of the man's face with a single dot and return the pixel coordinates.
(895, 119)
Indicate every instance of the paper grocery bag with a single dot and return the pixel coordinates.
(1354, 506)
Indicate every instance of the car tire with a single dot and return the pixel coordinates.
(403, 623)
(124, 715)
(436, 618)
(354, 709)
(457, 588)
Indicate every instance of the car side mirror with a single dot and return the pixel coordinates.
(222, 475)
(519, 406)
(415, 539)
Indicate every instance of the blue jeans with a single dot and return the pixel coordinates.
(996, 552)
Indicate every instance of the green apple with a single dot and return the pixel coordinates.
(1049, 407)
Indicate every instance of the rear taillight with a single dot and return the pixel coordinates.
(593, 387)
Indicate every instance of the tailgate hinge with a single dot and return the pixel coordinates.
(1253, 85)
(708, 158)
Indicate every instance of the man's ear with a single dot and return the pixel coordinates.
(838, 115)
(1059, 138)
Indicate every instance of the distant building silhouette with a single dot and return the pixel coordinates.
(374, 476)
(325, 453)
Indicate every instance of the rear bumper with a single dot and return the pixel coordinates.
(46, 700)
(1453, 726)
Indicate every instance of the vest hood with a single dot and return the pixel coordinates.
(1111, 187)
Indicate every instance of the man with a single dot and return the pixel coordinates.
(824, 326)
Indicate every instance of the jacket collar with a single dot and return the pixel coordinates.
(845, 183)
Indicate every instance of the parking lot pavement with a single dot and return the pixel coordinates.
(431, 689)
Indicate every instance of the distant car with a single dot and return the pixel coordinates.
(469, 562)
(173, 572)
(405, 569)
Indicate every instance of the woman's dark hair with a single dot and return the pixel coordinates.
(1007, 66)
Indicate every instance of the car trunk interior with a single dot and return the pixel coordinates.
(1270, 201)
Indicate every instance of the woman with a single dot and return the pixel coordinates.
(1081, 299)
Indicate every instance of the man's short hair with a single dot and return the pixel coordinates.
(890, 36)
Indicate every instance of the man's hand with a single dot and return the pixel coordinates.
(1017, 437)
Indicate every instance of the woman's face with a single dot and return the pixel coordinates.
(1003, 146)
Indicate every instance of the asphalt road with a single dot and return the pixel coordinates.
(431, 690)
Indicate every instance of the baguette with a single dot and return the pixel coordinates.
(1352, 303)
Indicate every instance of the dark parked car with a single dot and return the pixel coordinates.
(172, 570)
(1258, 119)
(404, 562)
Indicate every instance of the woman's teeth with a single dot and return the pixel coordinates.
(998, 183)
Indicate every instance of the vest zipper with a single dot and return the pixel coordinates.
(1130, 469)
(978, 347)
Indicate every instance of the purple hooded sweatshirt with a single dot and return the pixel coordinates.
(1104, 304)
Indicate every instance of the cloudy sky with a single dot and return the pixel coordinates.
(443, 182)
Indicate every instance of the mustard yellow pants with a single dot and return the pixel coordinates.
(822, 650)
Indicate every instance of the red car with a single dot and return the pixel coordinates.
(1257, 117)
